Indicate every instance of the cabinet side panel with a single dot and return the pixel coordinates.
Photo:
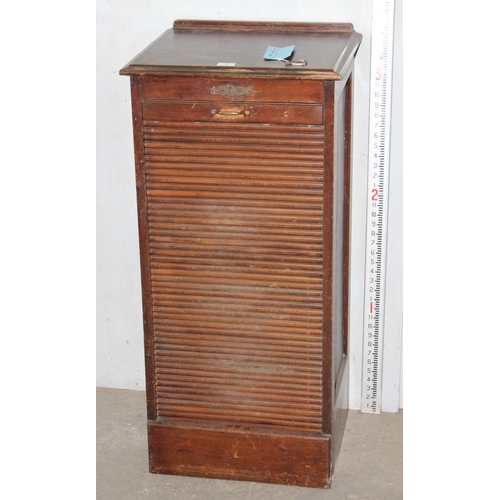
(142, 212)
(338, 231)
(347, 209)
(341, 259)
(328, 214)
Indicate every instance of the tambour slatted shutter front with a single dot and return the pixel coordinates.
(243, 222)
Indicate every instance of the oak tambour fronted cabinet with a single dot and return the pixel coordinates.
(243, 191)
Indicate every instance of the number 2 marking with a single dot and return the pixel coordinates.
(374, 194)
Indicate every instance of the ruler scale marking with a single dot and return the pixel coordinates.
(376, 225)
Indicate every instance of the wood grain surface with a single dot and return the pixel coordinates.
(291, 459)
(243, 191)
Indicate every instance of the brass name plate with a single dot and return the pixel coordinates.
(230, 90)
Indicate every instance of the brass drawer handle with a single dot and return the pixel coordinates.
(227, 112)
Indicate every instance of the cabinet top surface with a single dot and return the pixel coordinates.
(222, 48)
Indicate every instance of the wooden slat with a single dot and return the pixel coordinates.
(253, 393)
(309, 336)
(300, 378)
(251, 206)
(241, 341)
(235, 230)
(229, 161)
(301, 297)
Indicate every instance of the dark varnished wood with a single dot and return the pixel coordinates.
(347, 206)
(142, 213)
(262, 27)
(239, 344)
(243, 112)
(243, 179)
(242, 454)
(194, 48)
(328, 291)
(200, 89)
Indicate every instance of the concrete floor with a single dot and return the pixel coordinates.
(370, 465)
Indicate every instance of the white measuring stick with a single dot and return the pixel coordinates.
(378, 192)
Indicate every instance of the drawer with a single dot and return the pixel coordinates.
(232, 90)
(234, 113)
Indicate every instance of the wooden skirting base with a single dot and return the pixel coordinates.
(299, 459)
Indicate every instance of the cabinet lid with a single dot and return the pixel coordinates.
(236, 49)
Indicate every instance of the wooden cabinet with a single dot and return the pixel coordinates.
(243, 188)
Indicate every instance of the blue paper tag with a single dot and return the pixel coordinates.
(277, 53)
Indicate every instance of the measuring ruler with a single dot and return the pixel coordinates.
(376, 217)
